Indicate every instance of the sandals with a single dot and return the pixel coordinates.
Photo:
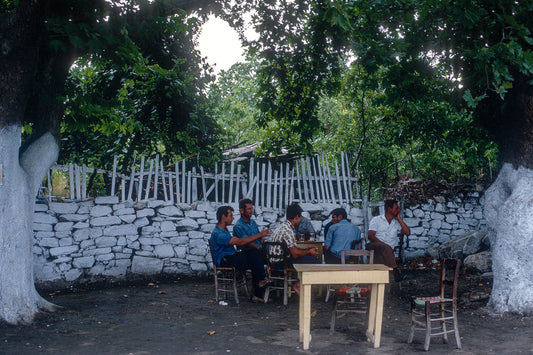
(256, 299)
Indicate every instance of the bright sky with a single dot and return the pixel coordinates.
(220, 44)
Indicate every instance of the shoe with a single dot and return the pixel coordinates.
(256, 299)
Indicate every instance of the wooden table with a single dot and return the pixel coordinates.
(377, 275)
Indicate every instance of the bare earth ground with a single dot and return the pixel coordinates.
(181, 317)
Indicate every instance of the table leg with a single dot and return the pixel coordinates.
(370, 333)
(305, 315)
(379, 315)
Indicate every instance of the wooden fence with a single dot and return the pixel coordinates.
(307, 179)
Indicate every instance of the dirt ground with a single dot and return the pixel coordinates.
(180, 316)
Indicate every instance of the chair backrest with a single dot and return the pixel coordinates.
(449, 276)
(357, 253)
(273, 256)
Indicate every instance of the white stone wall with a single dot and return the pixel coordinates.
(103, 239)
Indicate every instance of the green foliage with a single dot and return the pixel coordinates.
(142, 91)
(233, 99)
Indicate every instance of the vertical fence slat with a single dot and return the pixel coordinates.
(280, 189)
(258, 181)
(250, 180)
(216, 184)
(230, 195)
(343, 177)
(288, 186)
(194, 185)
(139, 195)
(332, 194)
(189, 186)
(71, 181)
(319, 190)
(183, 176)
(223, 183)
(49, 183)
(339, 188)
(203, 184)
(310, 179)
(170, 187)
(237, 183)
(123, 189)
(84, 182)
(149, 180)
(321, 172)
(156, 176)
(263, 179)
(304, 180)
(177, 169)
(114, 176)
(269, 185)
(78, 182)
(291, 190)
(275, 192)
(132, 176)
(164, 185)
(298, 181)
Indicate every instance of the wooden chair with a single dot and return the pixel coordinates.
(228, 280)
(329, 288)
(352, 298)
(281, 276)
(446, 302)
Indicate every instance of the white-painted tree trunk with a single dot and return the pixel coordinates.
(509, 214)
(21, 177)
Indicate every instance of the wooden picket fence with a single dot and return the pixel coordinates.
(307, 179)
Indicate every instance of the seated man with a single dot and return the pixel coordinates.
(246, 226)
(225, 255)
(285, 232)
(305, 228)
(341, 236)
(383, 236)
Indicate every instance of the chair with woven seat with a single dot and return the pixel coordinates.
(441, 309)
(281, 276)
(351, 298)
(356, 245)
(228, 280)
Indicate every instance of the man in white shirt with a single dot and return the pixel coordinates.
(383, 236)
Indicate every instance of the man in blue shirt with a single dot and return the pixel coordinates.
(342, 235)
(246, 226)
(225, 255)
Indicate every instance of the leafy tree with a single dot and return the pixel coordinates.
(40, 41)
(233, 99)
(451, 56)
(149, 102)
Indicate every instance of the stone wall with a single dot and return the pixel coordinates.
(102, 239)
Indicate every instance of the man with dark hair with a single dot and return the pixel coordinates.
(225, 255)
(383, 236)
(246, 226)
(342, 235)
(285, 232)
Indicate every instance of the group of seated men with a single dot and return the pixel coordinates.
(340, 235)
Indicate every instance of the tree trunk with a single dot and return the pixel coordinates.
(21, 177)
(508, 210)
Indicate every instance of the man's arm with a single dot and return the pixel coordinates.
(372, 237)
(405, 230)
(264, 232)
(299, 252)
(246, 240)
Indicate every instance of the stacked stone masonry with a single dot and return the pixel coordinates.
(104, 239)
